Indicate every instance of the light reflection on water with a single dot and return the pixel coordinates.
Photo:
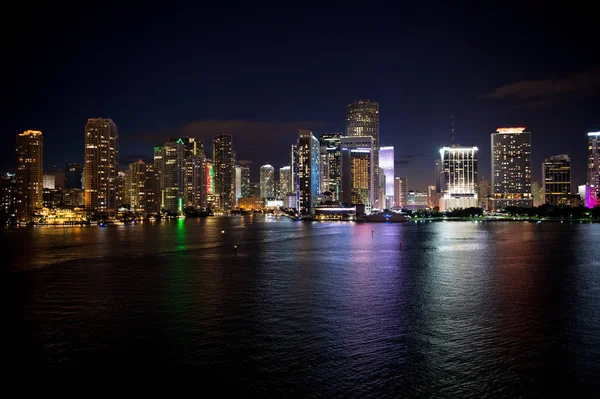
(445, 309)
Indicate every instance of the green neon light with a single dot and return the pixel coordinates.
(180, 204)
(180, 141)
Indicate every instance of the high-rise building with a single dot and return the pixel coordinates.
(195, 180)
(484, 192)
(246, 185)
(122, 193)
(169, 166)
(537, 193)
(309, 179)
(49, 181)
(255, 190)
(459, 177)
(593, 176)
(238, 182)
(285, 181)
(557, 180)
(386, 162)
(330, 164)
(400, 192)
(362, 119)
(224, 163)
(267, 181)
(511, 168)
(73, 176)
(431, 197)
(294, 170)
(8, 192)
(140, 185)
(101, 161)
(438, 176)
(357, 171)
(30, 171)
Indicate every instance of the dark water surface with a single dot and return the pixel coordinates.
(460, 309)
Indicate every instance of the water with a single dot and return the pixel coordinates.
(459, 309)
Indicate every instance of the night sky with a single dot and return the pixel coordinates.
(260, 73)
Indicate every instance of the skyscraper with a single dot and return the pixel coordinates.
(100, 172)
(308, 172)
(357, 171)
(511, 167)
(195, 180)
(30, 171)
(141, 188)
(267, 181)
(330, 164)
(400, 192)
(458, 178)
(285, 180)
(386, 162)
(294, 171)
(557, 180)
(169, 164)
(224, 171)
(593, 176)
(73, 176)
(431, 197)
(362, 119)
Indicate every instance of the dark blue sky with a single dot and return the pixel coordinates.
(259, 73)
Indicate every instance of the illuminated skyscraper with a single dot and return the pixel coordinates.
(386, 162)
(308, 172)
(330, 164)
(195, 180)
(431, 197)
(362, 119)
(140, 185)
(223, 165)
(169, 164)
(30, 171)
(557, 180)
(285, 181)
(267, 181)
(294, 169)
(357, 171)
(400, 192)
(101, 161)
(593, 176)
(459, 177)
(511, 168)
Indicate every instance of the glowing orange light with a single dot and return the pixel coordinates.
(510, 129)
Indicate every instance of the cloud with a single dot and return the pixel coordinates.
(243, 131)
(547, 92)
(406, 159)
(244, 162)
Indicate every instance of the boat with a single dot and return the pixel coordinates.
(383, 217)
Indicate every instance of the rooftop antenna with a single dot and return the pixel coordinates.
(453, 131)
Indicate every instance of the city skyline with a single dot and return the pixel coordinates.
(423, 70)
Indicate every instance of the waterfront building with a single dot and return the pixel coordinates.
(357, 171)
(308, 172)
(331, 163)
(557, 180)
(593, 164)
(267, 181)
(224, 162)
(400, 192)
(458, 180)
(29, 176)
(101, 162)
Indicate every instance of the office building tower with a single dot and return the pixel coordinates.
(331, 164)
(73, 176)
(309, 177)
(224, 163)
(285, 181)
(246, 185)
(192, 145)
(195, 180)
(459, 177)
(362, 119)
(484, 193)
(438, 175)
(141, 187)
(557, 180)
(255, 190)
(431, 197)
(386, 162)
(400, 192)
(30, 171)
(357, 171)
(169, 166)
(101, 161)
(238, 182)
(593, 175)
(511, 168)
(8, 193)
(49, 181)
(122, 193)
(267, 181)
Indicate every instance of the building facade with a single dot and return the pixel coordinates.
(400, 192)
(285, 182)
(30, 172)
(386, 162)
(169, 164)
(458, 177)
(357, 165)
(557, 180)
(331, 164)
(223, 164)
(267, 181)
(309, 177)
(511, 168)
(593, 175)
(362, 119)
(101, 162)
(141, 187)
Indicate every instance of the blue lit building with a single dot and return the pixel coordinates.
(308, 172)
